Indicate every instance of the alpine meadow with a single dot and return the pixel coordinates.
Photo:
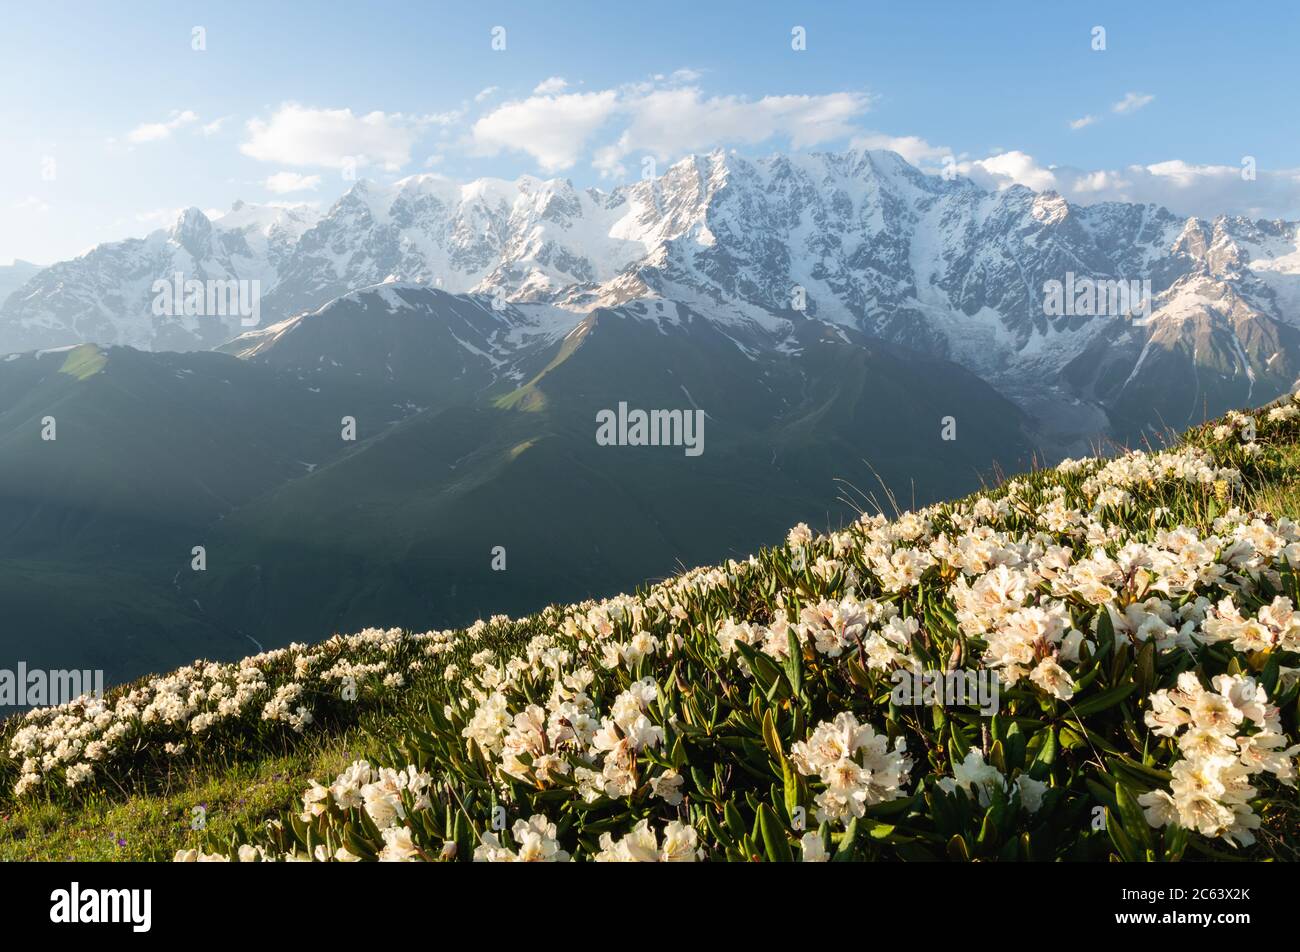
(734, 433)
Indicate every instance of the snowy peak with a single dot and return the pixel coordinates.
(286, 222)
(193, 232)
(859, 238)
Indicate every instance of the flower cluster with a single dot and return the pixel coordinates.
(680, 845)
(537, 844)
(858, 766)
(973, 773)
(1226, 736)
(387, 798)
(208, 702)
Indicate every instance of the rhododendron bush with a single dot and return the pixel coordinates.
(1139, 616)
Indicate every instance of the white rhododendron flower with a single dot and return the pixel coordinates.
(641, 845)
(812, 848)
(857, 765)
(1227, 735)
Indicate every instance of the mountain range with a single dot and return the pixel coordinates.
(860, 239)
(408, 435)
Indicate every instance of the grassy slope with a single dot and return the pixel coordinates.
(414, 515)
(151, 821)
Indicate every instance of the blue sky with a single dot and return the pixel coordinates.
(112, 121)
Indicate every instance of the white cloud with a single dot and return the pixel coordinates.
(552, 129)
(1202, 190)
(336, 138)
(551, 86)
(213, 127)
(669, 122)
(1095, 183)
(913, 148)
(1205, 191)
(284, 182)
(33, 204)
(1009, 168)
(1083, 122)
(1132, 102)
(1181, 174)
(157, 131)
(663, 121)
(484, 93)
(678, 77)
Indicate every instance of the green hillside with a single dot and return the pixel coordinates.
(1137, 611)
(402, 532)
(456, 457)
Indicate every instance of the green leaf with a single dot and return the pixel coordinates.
(703, 784)
(1106, 699)
(960, 748)
(1105, 632)
(775, 843)
(1123, 845)
(1135, 823)
(1269, 676)
(988, 834)
(942, 810)
(1144, 774)
(734, 821)
(1042, 765)
(958, 850)
(856, 674)
(893, 807)
(793, 665)
(997, 727)
(1175, 842)
(998, 757)
(769, 677)
(678, 756)
(1071, 739)
(1146, 667)
(844, 853)
(1015, 747)
(880, 831)
(716, 829)
(793, 788)
(770, 737)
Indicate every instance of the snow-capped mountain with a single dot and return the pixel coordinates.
(867, 240)
(530, 239)
(858, 238)
(107, 295)
(436, 347)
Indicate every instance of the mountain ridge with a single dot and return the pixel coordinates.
(859, 238)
